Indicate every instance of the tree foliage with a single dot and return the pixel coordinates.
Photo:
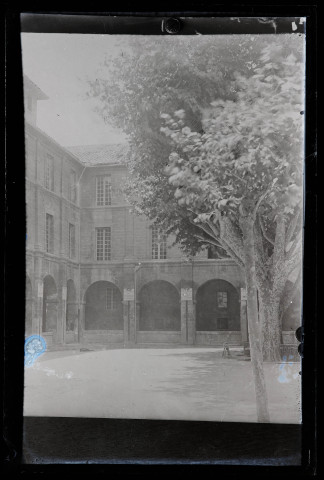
(248, 155)
(248, 162)
(215, 129)
(159, 75)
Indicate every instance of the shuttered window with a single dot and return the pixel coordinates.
(49, 233)
(49, 172)
(103, 190)
(158, 244)
(71, 240)
(103, 241)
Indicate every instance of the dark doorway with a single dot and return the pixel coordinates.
(159, 307)
(29, 308)
(217, 307)
(71, 307)
(50, 304)
(104, 308)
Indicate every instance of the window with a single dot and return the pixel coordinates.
(71, 240)
(158, 244)
(103, 238)
(111, 299)
(103, 191)
(49, 172)
(222, 299)
(73, 187)
(49, 233)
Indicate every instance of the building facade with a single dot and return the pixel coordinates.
(98, 275)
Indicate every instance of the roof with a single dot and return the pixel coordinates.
(37, 92)
(49, 138)
(91, 155)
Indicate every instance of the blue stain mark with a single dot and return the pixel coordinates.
(34, 347)
(285, 370)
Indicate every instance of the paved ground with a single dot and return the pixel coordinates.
(183, 384)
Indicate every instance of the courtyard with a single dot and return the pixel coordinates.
(158, 383)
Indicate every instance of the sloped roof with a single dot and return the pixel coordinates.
(91, 155)
(37, 92)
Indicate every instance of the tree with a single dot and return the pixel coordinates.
(242, 177)
(242, 180)
(152, 75)
(232, 179)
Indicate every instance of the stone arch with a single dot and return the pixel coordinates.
(50, 305)
(217, 306)
(71, 307)
(99, 275)
(159, 307)
(29, 307)
(103, 307)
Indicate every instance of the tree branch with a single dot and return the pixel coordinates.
(292, 227)
(203, 227)
(223, 244)
(216, 231)
(296, 246)
(261, 198)
(294, 259)
(231, 235)
(208, 240)
(261, 257)
(264, 233)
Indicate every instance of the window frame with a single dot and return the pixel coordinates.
(104, 191)
(103, 245)
(222, 299)
(159, 244)
(72, 243)
(49, 172)
(111, 294)
(49, 233)
(73, 194)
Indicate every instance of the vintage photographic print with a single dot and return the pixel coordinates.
(164, 212)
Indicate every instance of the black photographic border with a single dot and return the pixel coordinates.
(130, 446)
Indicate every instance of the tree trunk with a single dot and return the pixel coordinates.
(270, 322)
(247, 224)
(270, 298)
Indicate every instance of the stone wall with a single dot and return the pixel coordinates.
(131, 267)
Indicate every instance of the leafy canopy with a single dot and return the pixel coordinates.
(250, 148)
(230, 106)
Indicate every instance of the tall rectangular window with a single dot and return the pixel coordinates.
(71, 240)
(111, 300)
(103, 191)
(49, 233)
(49, 172)
(103, 240)
(158, 244)
(222, 299)
(73, 187)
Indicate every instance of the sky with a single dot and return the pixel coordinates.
(61, 64)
